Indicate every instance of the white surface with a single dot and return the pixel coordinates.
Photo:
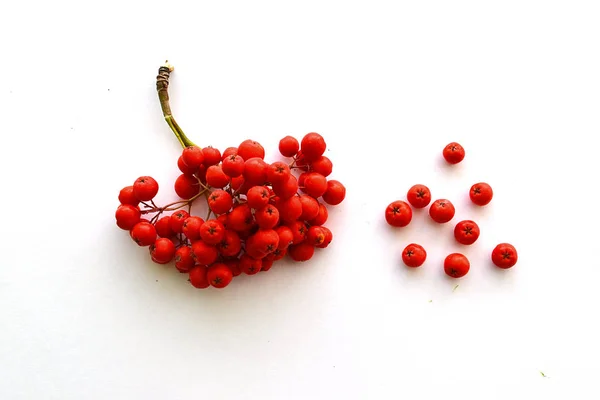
(84, 312)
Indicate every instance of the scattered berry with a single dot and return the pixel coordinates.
(414, 255)
(398, 214)
(453, 153)
(419, 196)
(442, 211)
(504, 255)
(456, 265)
(466, 232)
(481, 194)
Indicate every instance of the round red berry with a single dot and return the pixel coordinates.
(299, 231)
(419, 196)
(289, 146)
(192, 156)
(233, 165)
(290, 210)
(442, 211)
(219, 275)
(186, 186)
(414, 255)
(453, 153)
(322, 165)
(240, 218)
(143, 233)
(504, 255)
(162, 251)
(126, 196)
(177, 220)
(216, 178)
(255, 171)
(211, 155)
(278, 172)
(466, 232)
(335, 193)
(287, 189)
(456, 265)
(204, 254)
(212, 231)
(267, 217)
(312, 146)
(249, 265)
(315, 235)
(315, 184)
(321, 217)
(301, 252)
(184, 259)
(310, 207)
(230, 151)
(127, 216)
(191, 227)
(184, 168)
(286, 236)
(234, 266)
(163, 227)
(220, 201)
(398, 213)
(328, 237)
(481, 194)
(251, 148)
(230, 245)
(198, 277)
(145, 188)
(258, 196)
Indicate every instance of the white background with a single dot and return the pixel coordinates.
(86, 315)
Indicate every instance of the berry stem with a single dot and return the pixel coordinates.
(162, 87)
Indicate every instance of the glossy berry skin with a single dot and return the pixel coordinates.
(301, 252)
(289, 146)
(419, 196)
(249, 265)
(315, 184)
(233, 165)
(505, 256)
(127, 216)
(267, 217)
(184, 168)
(251, 148)
(216, 178)
(442, 211)
(192, 156)
(191, 227)
(286, 236)
(278, 172)
(481, 194)
(398, 214)
(255, 171)
(456, 265)
(335, 193)
(230, 245)
(258, 196)
(177, 220)
(312, 146)
(321, 217)
(220, 201)
(219, 275)
(315, 236)
(453, 153)
(414, 255)
(290, 209)
(145, 188)
(163, 227)
(184, 260)
(466, 232)
(287, 189)
(310, 207)
(143, 233)
(186, 186)
(198, 277)
(211, 155)
(322, 165)
(328, 237)
(162, 251)
(212, 231)
(204, 254)
(126, 196)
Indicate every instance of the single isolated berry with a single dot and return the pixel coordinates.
(289, 146)
(419, 196)
(504, 255)
(456, 265)
(145, 188)
(466, 232)
(398, 214)
(414, 255)
(453, 153)
(442, 211)
(481, 194)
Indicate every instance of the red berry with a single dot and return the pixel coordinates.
(255, 171)
(335, 193)
(328, 237)
(163, 227)
(322, 165)
(312, 146)
(315, 235)
(398, 213)
(233, 165)
(278, 172)
(249, 149)
(249, 265)
(215, 177)
(234, 266)
(198, 277)
(204, 253)
(267, 263)
(145, 188)
(219, 275)
(287, 189)
(301, 252)
(186, 186)
(453, 153)
(211, 155)
(184, 168)
(162, 251)
(481, 194)
(504, 255)
(301, 179)
(289, 146)
(286, 236)
(237, 182)
(230, 151)
(126, 196)
(240, 218)
(184, 259)
(414, 255)
(466, 232)
(299, 232)
(267, 217)
(301, 161)
(192, 156)
(442, 211)
(290, 210)
(456, 265)
(230, 245)
(254, 248)
(220, 201)
(201, 174)
(191, 227)
(177, 220)
(212, 231)
(266, 240)
(258, 197)
(315, 184)
(310, 207)
(127, 216)
(321, 218)
(419, 196)
(143, 233)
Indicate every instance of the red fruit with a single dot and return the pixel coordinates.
(312, 146)
(466, 232)
(290, 210)
(453, 153)
(240, 218)
(184, 168)
(162, 251)
(230, 151)
(322, 165)
(212, 231)
(289, 146)
(230, 245)
(237, 182)
(310, 207)
(143, 233)
(127, 216)
(442, 211)
(177, 220)
(145, 188)
(315, 235)
(301, 179)
(163, 227)
(255, 171)
(266, 240)
(398, 213)
(335, 193)
(278, 172)
(419, 196)
(328, 237)
(211, 155)
(249, 149)
(481, 194)
(456, 265)
(278, 254)
(267, 217)
(224, 218)
(287, 189)
(191, 227)
(233, 165)
(299, 231)
(198, 277)
(301, 161)
(258, 196)
(220, 201)
(184, 259)
(186, 186)
(267, 263)
(254, 248)
(219, 275)
(204, 253)
(315, 184)
(215, 177)
(321, 218)
(201, 174)
(249, 265)
(414, 255)
(301, 252)
(192, 156)
(234, 266)
(504, 255)
(126, 196)
(286, 236)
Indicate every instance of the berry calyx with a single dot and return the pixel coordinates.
(419, 196)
